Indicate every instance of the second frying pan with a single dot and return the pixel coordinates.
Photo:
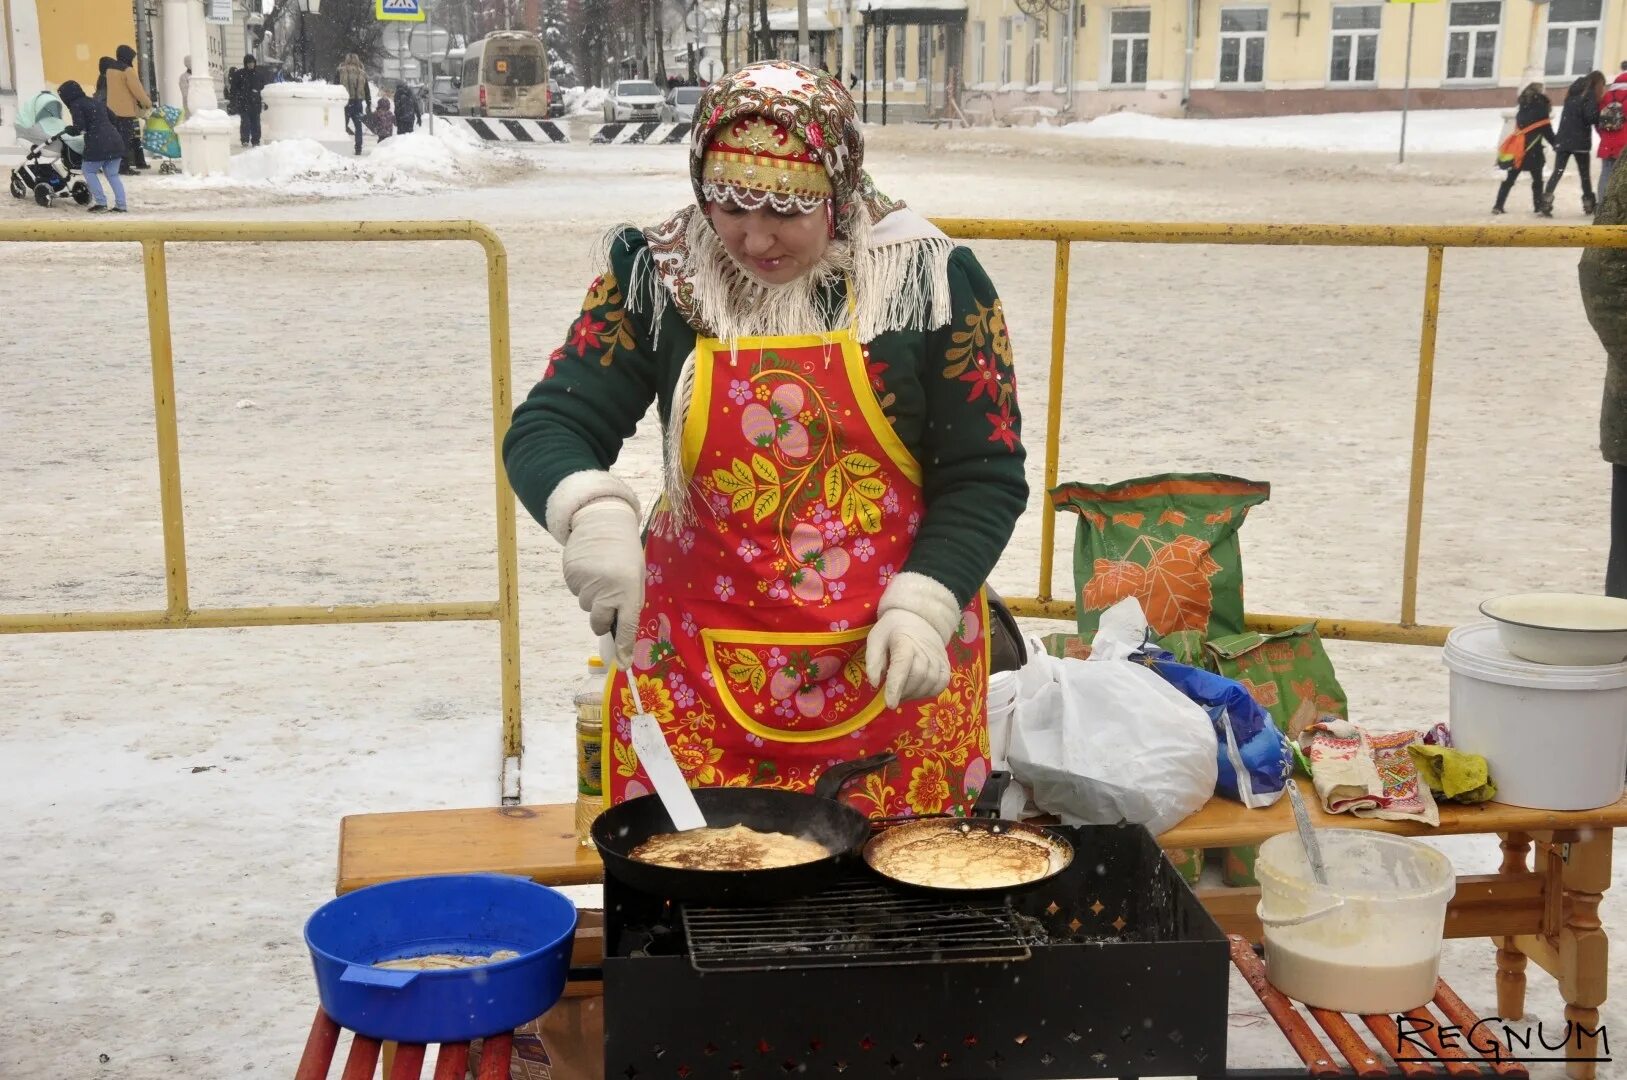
(969, 856)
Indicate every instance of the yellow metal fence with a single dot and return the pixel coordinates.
(179, 613)
(1434, 240)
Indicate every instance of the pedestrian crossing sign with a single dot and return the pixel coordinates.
(399, 10)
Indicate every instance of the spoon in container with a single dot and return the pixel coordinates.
(1307, 834)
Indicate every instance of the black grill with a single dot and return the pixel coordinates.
(1111, 968)
(859, 922)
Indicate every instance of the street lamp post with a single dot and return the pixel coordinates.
(306, 7)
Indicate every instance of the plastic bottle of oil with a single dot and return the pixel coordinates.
(589, 746)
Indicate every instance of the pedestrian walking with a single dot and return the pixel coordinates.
(382, 118)
(353, 77)
(127, 101)
(186, 84)
(103, 66)
(406, 109)
(1612, 126)
(1603, 277)
(244, 89)
(1575, 139)
(1522, 151)
(104, 146)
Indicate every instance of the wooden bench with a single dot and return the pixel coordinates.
(1542, 904)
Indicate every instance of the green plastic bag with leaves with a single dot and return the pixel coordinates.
(1289, 673)
(1169, 541)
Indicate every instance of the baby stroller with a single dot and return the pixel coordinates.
(161, 139)
(51, 167)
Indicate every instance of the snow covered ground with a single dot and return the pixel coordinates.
(1441, 131)
(171, 800)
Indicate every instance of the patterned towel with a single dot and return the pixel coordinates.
(1369, 775)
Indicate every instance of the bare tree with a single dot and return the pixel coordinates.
(725, 32)
(658, 16)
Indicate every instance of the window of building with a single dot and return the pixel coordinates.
(1005, 51)
(879, 65)
(1129, 30)
(1034, 29)
(979, 48)
(1242, 45)
(1471, 39)
(923, 53)
(1573, 36)
(901, 51)
(1355, 44)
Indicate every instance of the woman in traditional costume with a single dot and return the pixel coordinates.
(843, 465)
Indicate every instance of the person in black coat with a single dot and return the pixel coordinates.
(104, 145)
(101, 78)
(245, 90)
(1575, 138)
(406, 109)
(1534, 119)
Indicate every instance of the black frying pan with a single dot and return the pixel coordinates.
(840, 828)
(982, 835)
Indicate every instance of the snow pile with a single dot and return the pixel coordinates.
(585, 100)
(411, 164)
(1436, 131)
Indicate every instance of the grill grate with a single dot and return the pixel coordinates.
(856, 923)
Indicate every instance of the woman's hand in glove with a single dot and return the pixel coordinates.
(908, 648)
(604, 569)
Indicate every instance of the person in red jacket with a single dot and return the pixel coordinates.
(1612, 124)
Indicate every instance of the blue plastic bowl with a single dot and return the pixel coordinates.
(469, 914)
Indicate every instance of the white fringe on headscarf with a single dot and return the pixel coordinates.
(900, 276)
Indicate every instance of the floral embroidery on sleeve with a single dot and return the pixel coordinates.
(602, 327)
(980, 356)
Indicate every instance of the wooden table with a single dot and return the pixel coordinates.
(1542, 904)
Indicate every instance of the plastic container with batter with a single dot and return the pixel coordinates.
(1369, 941)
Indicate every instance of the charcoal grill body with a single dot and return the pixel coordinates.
(1126, 975)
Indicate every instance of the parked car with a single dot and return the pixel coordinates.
(444, 98)
(633, 100)
(556, 99)
(680, 106)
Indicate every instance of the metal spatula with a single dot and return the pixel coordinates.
(1307, 835)
(656, 757)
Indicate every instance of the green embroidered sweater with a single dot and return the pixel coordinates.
(949, 393)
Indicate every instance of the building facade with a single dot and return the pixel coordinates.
(1083, 58)
(44, 43)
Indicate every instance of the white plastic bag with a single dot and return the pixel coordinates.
(1105, 740)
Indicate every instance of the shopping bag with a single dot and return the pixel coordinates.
(1107, 740)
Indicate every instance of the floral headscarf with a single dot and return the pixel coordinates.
(814, 107)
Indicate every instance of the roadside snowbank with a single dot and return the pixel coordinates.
(585, 100)
(1435, 131)
(412, 164)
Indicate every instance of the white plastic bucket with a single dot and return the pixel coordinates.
(1555, 738)
(1002, 714)
(1370, 940)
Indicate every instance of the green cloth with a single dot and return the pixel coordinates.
(962, 428)
(1452, 774)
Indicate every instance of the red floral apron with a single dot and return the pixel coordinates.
(751, 642)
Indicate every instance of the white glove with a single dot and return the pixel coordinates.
(604, 569)
(909, 645)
